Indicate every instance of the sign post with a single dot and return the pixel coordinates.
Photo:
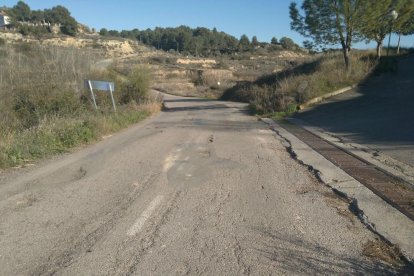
(103, 86)
(93, 95)
(112, 96)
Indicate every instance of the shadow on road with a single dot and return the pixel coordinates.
(300, 257)
(379, 113)
(195, 108)
(190, 100)
(196, 104)
(213, 125)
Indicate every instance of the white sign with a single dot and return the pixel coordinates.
(103, 86)
(100, 85)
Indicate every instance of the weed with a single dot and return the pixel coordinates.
(57, 135)
(136, 86)
(297, 84)
(383, 251)
(46, 110)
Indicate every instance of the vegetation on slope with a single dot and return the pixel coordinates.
(38, 22)
(199, 41)
(45, 108)
(285, 90)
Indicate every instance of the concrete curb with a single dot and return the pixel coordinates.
(326, 96)
(372, 210)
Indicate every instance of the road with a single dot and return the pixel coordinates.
(377, 114)
(202, 188)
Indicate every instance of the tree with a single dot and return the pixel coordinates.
(378, 22)
(61, 15)
(37, 16)
(21, 11)
(244, 43)
(405, 20)
(329, 22)
(113, 33)
(287, 43)
(103, 32)
(309, 46)
(407, 27)
(255, 42)
(274, 41)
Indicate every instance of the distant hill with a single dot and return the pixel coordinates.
(199, 42)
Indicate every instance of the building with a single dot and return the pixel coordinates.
(4, 20)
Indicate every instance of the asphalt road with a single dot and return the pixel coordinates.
(378, 114)
(202, 188)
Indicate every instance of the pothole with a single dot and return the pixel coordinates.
(80, 174)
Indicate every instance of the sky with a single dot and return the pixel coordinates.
(262, 18)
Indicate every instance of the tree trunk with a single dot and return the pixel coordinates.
(379, 49)
(347, 59)
(398, 46)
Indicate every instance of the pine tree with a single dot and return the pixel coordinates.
(329, 22)
(377, 21)
(244, 43)
(255, 42)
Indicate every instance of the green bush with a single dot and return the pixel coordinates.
(63, 103)
(26, 110)
(136, 86)
(32, 105)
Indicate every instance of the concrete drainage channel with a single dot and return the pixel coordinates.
(384, 202)
(391, 189)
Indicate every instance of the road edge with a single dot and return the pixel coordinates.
(319, 99)
(373, 211)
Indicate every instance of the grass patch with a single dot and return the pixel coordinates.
(58, 135)
(46, 110)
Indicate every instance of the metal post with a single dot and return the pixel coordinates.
(93, 96)
(112, 96)
(394, 15)
(389, 41)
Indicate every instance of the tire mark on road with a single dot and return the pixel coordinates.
(58, 260)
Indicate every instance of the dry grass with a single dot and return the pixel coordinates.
(282, 91)
(45, 108)
(380, 250)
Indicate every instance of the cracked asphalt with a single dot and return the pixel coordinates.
(202, 188)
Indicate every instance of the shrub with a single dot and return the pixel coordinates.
(136, 86)
(26, 110)
(44, 109)
(283, 91)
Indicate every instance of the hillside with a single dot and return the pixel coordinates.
(108, 47)
(174, 72)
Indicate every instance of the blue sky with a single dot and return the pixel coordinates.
(263, 18)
